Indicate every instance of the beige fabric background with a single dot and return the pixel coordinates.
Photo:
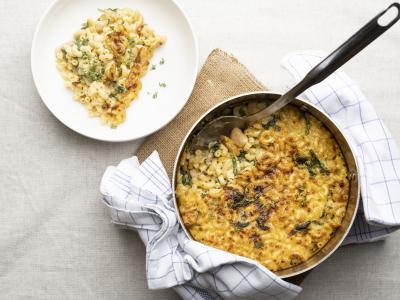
(56, 241)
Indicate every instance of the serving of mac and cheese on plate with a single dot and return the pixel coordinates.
(275, 192)
(116, 73)
(104, 63)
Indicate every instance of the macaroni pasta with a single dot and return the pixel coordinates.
(105, 62)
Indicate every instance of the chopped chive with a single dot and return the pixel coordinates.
(258, 245)
(271, 123)
(234, 165)
(317, 222)
(120, 89)
(301, 227)
(240, 225)
(241, 203)
(316, 162)
(307, 122)
(242, 154)
(186, 177)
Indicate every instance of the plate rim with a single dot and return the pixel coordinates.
(117, 140)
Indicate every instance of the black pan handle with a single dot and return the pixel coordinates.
(347, 50)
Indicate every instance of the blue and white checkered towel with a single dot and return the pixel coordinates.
(139, 197)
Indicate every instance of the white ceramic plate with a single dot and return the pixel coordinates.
(145, 115)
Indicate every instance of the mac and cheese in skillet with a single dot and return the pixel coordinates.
(275, 192)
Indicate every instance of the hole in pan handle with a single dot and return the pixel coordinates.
(389, 16)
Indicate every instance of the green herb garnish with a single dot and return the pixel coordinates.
(317, 222)
(234, 165)
(81, 42)
(214, 147)
(155, 95)
(300, 160)
(186, 177)
(240, 225)
(120, 89)
(311, 163)
(302, 195)
(303, 202)
(93, 74)
(85, 56)
(131, 40)
(153, 67)
(309, 167)
(307, 122)
(301, 227)
(246, 190)
(162, 61)
(304, 160)
(162, 84)
(242, 154)
(260, 222)
(316, 162)
(214, 202)
(258, 245)
(241, 203)
(271, 123)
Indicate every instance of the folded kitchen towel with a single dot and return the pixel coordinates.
(139, 197)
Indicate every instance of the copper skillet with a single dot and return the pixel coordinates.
(354, 191)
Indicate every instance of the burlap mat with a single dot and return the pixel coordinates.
(222, 76)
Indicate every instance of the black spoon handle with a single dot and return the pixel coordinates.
(348, 49)
(333, 61)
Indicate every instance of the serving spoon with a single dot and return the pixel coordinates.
(225, 124)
